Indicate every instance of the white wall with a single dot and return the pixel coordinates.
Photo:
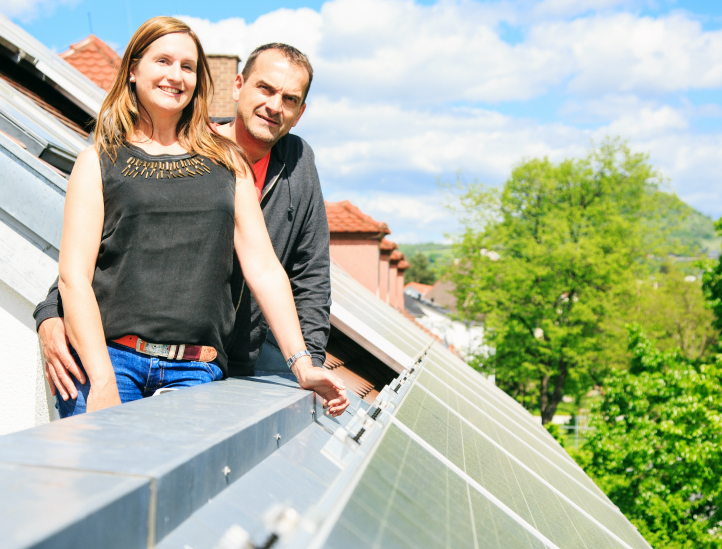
(25, 275)
(467, 340)
(23, 394)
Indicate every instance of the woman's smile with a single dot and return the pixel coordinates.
(171, 91)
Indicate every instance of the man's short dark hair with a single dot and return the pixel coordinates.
(294, 56)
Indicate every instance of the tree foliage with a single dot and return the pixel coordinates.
(671, 308)
(712, 284)
(420, 270)
(545, 259)
(656, 448)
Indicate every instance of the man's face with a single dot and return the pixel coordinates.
(270, 102)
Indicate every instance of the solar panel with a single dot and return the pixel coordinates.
(407, 498)
(513, 475)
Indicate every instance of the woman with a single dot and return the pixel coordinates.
(153, 212)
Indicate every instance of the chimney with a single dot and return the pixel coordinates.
(394, 259)
(400, 270)
(385, 250)
(355, 242)
(224, 69)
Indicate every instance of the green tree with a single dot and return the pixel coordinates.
(420, 270)
(546, 259)
(712, 284)
(656, 448)
(671, 308)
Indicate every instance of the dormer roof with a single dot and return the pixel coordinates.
(346, 219)
(95, 59)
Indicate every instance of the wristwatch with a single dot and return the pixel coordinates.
(291, 361)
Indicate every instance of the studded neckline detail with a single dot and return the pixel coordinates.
(161, 169)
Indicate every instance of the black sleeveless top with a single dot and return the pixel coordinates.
(166, 254)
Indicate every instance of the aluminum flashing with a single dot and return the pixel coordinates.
(71, 508)
(68, 80)
(297, 475)
(189, 444)
(23, 267)
(32, 197)
(37, 128)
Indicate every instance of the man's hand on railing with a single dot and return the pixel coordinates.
(59, 363)
(326, 385)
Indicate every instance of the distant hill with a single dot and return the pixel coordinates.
(689, 232)
(432, 250)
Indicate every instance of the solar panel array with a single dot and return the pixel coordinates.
(462, 464)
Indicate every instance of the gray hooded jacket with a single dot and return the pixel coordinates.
(295, 216)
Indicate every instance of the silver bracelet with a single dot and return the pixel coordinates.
(291, 361)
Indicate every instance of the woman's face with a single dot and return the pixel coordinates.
(165, 77)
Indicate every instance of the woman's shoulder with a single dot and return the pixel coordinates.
(88, 154)
(87, 160)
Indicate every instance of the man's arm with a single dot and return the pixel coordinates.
(52, 307)
(59, 363)
(309, 268)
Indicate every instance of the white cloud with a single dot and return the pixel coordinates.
(625, 53)
(26, 10)
(301, 28)
(569, 8)
(354, 139)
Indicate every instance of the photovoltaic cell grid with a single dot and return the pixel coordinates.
(464, 465)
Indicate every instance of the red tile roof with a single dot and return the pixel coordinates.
(396, 256)
(388, 246)
(345, 218)
(95, 59)
(403, 264)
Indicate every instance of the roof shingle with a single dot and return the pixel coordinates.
(95, 59)
(396, 256)
(344, 217)
(388, 246)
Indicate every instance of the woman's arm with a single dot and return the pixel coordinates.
(269, 284)
(82, 230)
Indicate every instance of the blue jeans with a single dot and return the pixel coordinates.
(139, 376)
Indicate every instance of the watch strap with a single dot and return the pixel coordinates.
(291, 361)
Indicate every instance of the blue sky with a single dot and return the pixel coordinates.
(407, 93)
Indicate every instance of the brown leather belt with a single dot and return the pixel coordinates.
(201, 353)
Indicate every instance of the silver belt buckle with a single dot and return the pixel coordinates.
(157, 349)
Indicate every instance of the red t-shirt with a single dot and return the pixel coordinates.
(260, 169)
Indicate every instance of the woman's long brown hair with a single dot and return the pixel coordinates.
(121, 110)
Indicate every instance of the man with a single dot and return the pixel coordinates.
(271, 95)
